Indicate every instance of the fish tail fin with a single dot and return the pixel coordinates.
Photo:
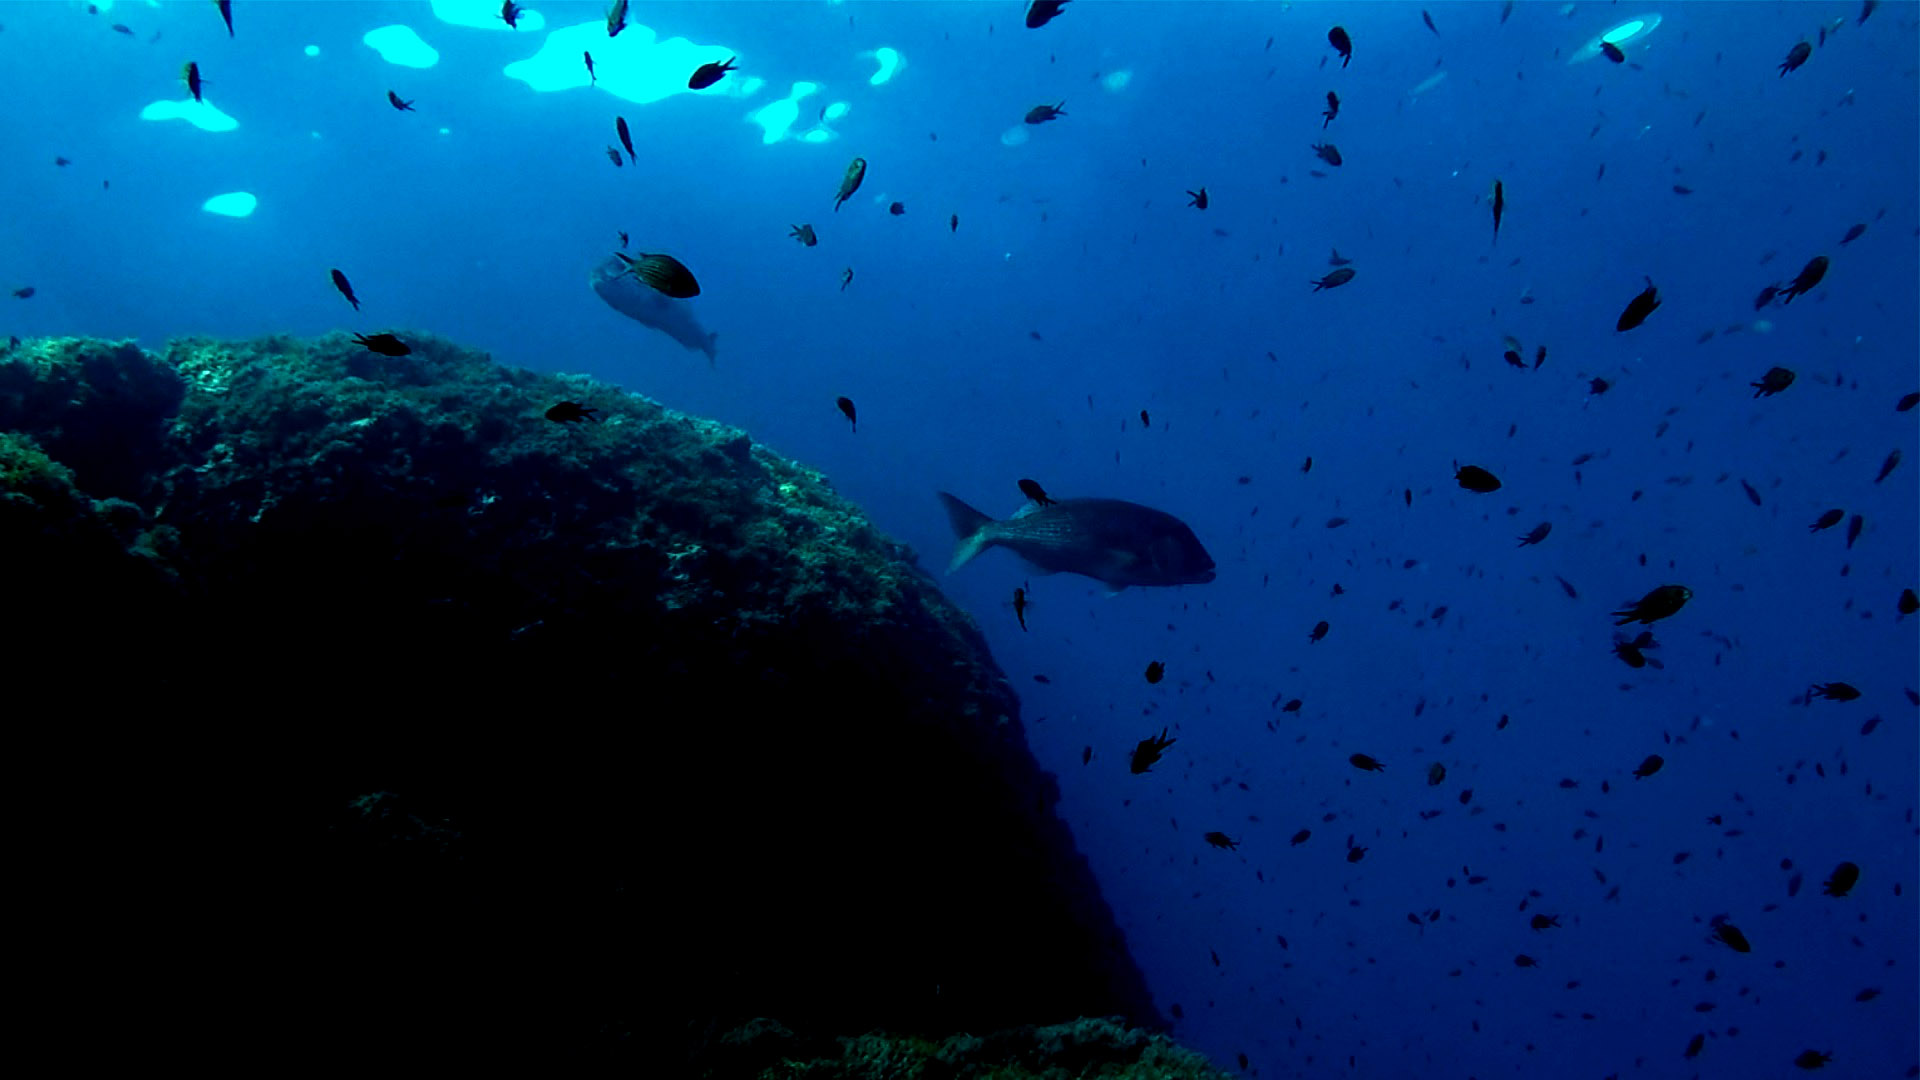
(970, 526)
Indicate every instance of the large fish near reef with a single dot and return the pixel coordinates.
(651, 307)
(1113, 542)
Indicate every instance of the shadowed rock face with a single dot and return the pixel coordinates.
(419, 721)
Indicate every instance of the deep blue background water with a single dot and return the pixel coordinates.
(1205, 319)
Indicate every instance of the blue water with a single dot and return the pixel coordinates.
(1080, 290)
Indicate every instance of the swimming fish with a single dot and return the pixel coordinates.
(346, 289)
(626, 136)
(1117, 543)
(1042, 12)
(1342, 44)
(707, 74)
(614, 284)
(850, 182)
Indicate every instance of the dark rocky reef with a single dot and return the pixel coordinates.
(370, 710)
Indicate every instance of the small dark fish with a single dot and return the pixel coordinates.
(1766, 297)
(1887, 466)
(1436, 774)
(25, 292)
(1682, 189)
(62, 162)
(613, 155)
(1198, 199)
(1632, 651)
(1155, 672)
(663, 272)
(1812, 1059)
(1148, 750)
(384, 344)
(1845, 876)
(1833, 691)
(1301, 837)
(1854, 525)
(1354, 851)
(1544, 922)
(1827, 520)
(1525, 961)
(592, 79)
(1536, 534)
(626, 137)
(122, 28)
(1613, 52)
(571, 412)
(1328, 153)
(1333, 109)
(1334, 280)
(1040, 114)
(1661, 603)
(896, 208)
(616, 18)
(1649, 767)
(393, 99)
(1032, 490)
(804, 234)
(846, 278)
(1342, 44)
(1638, 308)
(953, 223)
(1506, 9)
(1866, 9)
(1020, 613)
(1907, 402)
(1808, 277)
(510, 14)
(1221, 840)
(191, 74)
(1597, 386)
(1336, 259)
(1476, 479)
(1909, 602)
(1499, 208)
(845, 405)
(226, 13)
(1539, 357)
(1365, 762)
(1752, 495)
(1729, 935)
(1775, 380)
(1853, 234)
(1318, 632)
(1428, 19)
(1795, 57)
(1042, 12)
(346, 289)
(1514, 359)
(850, 182)
(707, 74)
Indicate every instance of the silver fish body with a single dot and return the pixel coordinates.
(1117, 543)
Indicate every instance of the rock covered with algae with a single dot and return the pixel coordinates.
(420, 721)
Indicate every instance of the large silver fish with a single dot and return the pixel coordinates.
(651, 307)
(1113, 542)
